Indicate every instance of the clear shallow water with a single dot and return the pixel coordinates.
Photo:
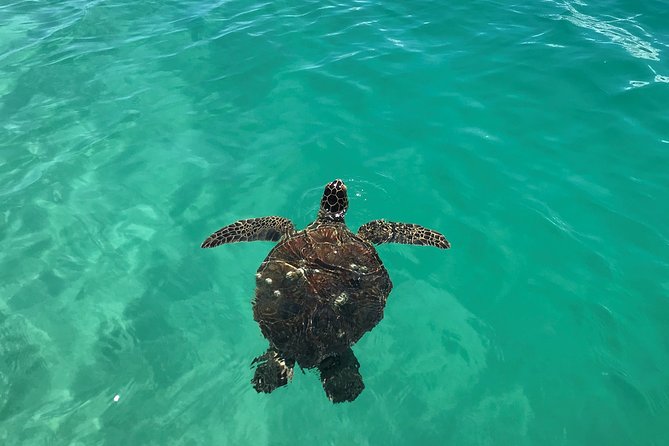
(535, 136)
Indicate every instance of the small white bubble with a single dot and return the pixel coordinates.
(116, 398)
(268, 280)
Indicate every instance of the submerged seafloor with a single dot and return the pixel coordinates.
(533, 135)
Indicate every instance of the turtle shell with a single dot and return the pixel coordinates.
(318, 292)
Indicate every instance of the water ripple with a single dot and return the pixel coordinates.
(614, 29)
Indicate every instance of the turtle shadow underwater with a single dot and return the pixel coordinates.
(319, 290)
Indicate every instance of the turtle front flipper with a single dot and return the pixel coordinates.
(272, 372)
(263, 228)
(340, 377)
(381, 231)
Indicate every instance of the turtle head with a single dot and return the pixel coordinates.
(334, 203)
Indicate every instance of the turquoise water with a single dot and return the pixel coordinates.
(534, 135)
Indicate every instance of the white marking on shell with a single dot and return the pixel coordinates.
(341, 333)
(258, 276)
(341, 299)
(291, 274)
(277, 293)
(268, 280)
(354, 266)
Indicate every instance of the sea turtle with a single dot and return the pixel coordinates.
(319, 290)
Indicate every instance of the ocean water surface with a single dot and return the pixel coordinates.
(534, 135)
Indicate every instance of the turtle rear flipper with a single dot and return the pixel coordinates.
(340, 377)
(263, 228)
(381, 231)
(272, 372)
